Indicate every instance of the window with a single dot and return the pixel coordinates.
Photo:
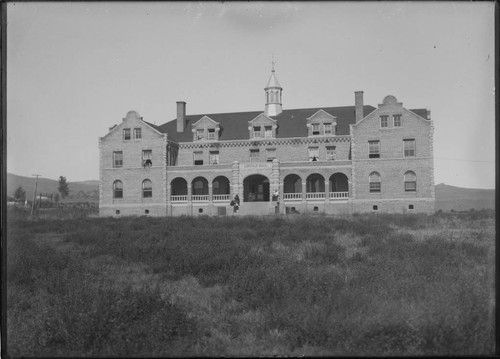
(147, 189)
(146, 211)
(375, 207)
(374, 147)
(410, 181)
(268, 131)
(397, 120)
(270, 154)
(200, 134)
(211, 134)
(117, 159)
(137, 133)
(126, 134)
(214, 157)
(383, 121)
(198, 158)
(256, 131)
(315, 128)
(409, 147)
(374, 180)
(117, 189)
(410, 206)
(254, 155)
(313, 153)
(147, 158)
(328, 128)
(330, 153)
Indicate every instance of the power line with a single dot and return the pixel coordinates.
(462, 159)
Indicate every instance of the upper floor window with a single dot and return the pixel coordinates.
(126, 134)
(254, 155)
(410, 181)
(147, 158)
(117, 189)
(315, 129)
(313, 153)
(328, 128)
(200, 134)
(374, 149)
(214, 157)
(397, 120)
(147, 189)
(256, 131)
(137, 133)
(375, 183)
(198, 158)
(270, 154)
(117, 159)
(211, 134)
(384, 123)
(268, 131)
(330, 153)
(409, 147)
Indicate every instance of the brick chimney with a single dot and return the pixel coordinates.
(181, 115)
(358, 105)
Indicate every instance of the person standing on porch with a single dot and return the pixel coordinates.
(235, 203)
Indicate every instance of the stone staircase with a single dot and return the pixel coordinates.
(256, 208)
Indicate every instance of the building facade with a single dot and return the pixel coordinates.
(330, 160)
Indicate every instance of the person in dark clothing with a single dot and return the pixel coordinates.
(235, 203)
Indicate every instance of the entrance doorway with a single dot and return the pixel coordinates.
(256, 189)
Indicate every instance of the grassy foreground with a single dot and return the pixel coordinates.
(299, 285)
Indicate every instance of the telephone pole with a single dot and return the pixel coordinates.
(34, 195)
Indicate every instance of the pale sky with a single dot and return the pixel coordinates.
(76, 68)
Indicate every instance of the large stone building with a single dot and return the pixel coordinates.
(330, 160)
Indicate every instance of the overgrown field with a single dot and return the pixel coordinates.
(249, 286)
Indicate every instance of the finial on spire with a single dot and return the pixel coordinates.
(273, 64)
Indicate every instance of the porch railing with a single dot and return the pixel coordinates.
(339, 195)
(292, 196)
(182, 198)
(199, 197)
(315, 195)
(221, 197)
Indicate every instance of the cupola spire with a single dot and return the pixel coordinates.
(273, 94)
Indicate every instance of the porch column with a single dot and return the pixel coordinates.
(235, 183)
(327, 191)
(190, 201)
(304, 200)
(210, 194)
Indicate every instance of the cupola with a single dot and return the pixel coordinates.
(273, 95)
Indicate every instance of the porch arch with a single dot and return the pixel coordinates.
(256, 188)
(178, 187)
(199, 186)
(315, 183)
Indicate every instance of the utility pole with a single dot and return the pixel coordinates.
(34, 195)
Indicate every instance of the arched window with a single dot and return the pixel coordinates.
(410, 181)
(200, 186)
(292, 184)
(179, 187)
(220, 185)
(315, 183)
(147, 189)
(117, 189)
(374, 180)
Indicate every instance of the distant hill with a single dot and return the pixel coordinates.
(463, 199)
(46, 185)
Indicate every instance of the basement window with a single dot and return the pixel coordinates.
(375, 208)
(410, 206)
(146, 211)
(117, 211)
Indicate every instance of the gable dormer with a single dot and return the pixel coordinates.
(321, 124)
(206, 129)
(263, 127)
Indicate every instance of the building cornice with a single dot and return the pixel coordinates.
(266, 142)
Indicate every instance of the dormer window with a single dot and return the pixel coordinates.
(256, 132)
(211, 134)
(200, 134)
(205, 129)
(268, 131)
(315, 128)
(262, 126)
(321, 123)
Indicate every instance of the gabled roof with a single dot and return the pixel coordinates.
(291, 123)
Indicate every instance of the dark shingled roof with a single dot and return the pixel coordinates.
(291, 123)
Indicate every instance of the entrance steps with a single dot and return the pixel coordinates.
(256, 208)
